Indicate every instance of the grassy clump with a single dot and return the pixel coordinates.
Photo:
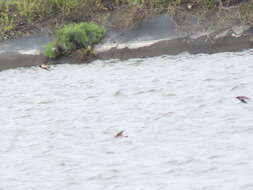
(34, 9)
(50, 50)
(15, 14)
(136, 1)
(74, 36)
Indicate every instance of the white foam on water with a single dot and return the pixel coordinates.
(130, 45)
(30, 52)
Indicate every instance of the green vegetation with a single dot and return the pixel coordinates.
(74, 36)
(28, 11)
(34, 9)
(136, 1)
(18, 16)
(50, 50)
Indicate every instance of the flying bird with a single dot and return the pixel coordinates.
(120, 134)
(243, 99)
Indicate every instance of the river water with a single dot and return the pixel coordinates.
(186, 130)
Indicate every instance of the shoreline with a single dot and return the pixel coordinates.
(156, 35)
(228, 43)
(12, 60)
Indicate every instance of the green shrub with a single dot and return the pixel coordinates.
(51, 51)
(74, 36)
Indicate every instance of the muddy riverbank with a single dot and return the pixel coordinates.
(155, 35)
(137, 49)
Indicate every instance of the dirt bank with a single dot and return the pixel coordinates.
(182, 30)
(14, 60)
(176, 46)
(203, 44)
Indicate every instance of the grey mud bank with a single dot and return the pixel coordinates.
(155, 36)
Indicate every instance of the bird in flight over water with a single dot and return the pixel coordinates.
(120, 134)
(243, 99)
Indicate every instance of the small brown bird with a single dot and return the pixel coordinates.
(243, 99)
(120, 134)
(44, 66)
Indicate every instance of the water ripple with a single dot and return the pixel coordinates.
(184, 127)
